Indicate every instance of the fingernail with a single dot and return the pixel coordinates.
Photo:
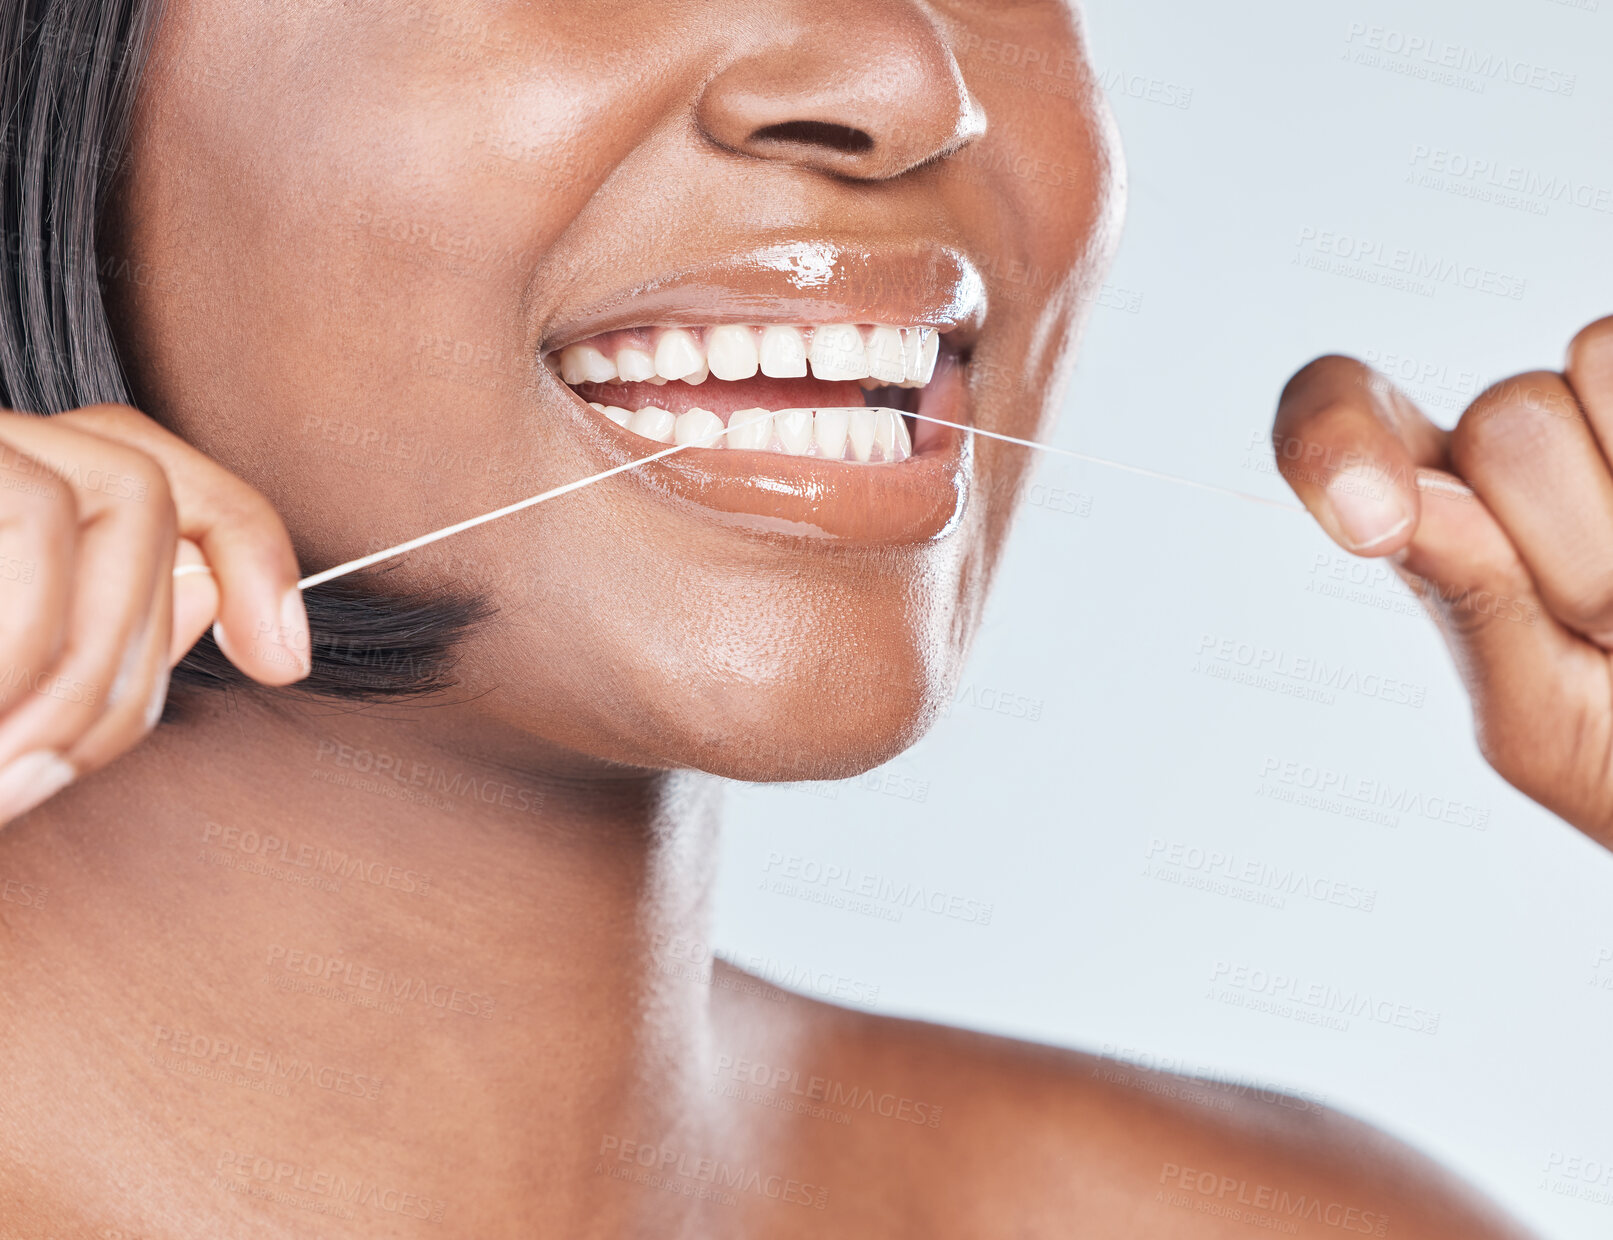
(195, 600)
(294, 628)
(133, 653)
(157, 700)
(27, 780)
(218, 640)
(1368, 510)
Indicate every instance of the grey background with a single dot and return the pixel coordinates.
(1094, 733)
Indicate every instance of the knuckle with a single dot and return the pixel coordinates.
(54, 499)
(139, 478)
(43, 498)
(1587, 606)
(146, 470)
(1591, 349)
(249, 515)
(1515, 417)
(102, 417)
(1316, 446)
(1316, 385)
(1329, 368)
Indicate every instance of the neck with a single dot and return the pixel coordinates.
(281, 914)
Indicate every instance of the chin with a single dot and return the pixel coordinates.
(815, 716)
(813, 739)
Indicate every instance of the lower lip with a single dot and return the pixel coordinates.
(917, 500)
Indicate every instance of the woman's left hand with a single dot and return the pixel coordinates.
(1518, 572)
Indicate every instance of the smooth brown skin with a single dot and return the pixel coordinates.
(636, 643)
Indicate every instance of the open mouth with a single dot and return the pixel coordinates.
(836, 392)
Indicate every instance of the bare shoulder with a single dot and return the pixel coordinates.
(967, 1134)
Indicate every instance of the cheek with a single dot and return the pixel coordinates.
(347, 229)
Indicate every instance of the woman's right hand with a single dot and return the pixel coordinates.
(119, 545)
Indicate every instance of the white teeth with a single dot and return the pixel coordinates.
(731, 352)
(677, 355)
(922, 347)
(699, 426)
(912, 354)
(838, 352)
(904, 441)
(783, 353)
(615, 413)
(582, 363)
(931, 351)
(750, 429)
(653, 423)
(861, 433)
(871, 434)
(634, 365)
(885, 434)
(886, 356)
(829, 428)
(794, 427)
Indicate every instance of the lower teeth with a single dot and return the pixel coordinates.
(863, 435)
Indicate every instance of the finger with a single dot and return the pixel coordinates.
(1589, 371)
(1532, 682)
(1525, 446)
(1539, 693)
(262, 626)
(123, 536)
(38, 537)
(134, 704)
(1349, 444)
(195, 599)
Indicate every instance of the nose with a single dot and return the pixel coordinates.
(864, 89)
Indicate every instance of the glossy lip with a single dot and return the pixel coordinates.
(804, 283)
(917, 500)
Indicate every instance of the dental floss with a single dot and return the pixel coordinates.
(376, 557)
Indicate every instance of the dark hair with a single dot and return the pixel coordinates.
(69, 70)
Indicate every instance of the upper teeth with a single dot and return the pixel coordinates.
(901, 356)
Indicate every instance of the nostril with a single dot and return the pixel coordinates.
(817, 133)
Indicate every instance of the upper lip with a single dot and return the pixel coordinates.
(794, 282)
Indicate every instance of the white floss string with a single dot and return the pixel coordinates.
(376, 557)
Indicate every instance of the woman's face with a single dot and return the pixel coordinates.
(353, 234)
